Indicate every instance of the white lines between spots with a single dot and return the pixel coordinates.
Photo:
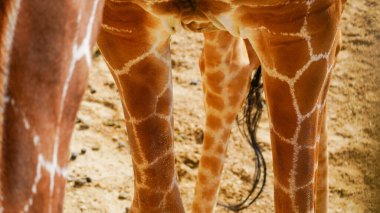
(300, 118)
(114, 29)
(127, 67)
(77, 53)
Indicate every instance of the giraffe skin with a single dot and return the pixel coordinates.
(297, 56)
(145, 83)
(295, 42)
(44, 72)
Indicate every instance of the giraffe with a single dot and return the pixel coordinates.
(45, 52)
(295, 43)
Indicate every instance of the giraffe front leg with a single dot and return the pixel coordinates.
(138, 54)
(297, 61)
(49, 56)
(226, 72)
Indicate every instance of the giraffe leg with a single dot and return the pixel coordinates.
(297, 61)
(226, 72)
(322, 187)
(138, 54)
(48, 60)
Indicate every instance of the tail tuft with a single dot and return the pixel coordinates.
(248, 125)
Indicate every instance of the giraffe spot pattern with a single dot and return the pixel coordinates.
(213, 164)
(213, 122)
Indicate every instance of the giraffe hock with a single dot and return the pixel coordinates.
(248, 124)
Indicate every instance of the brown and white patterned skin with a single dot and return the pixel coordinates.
(226, 65)
(295, 42)
(45, 47)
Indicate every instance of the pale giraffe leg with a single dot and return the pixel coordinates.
(138, 54)
(226, 72)
(297, 63)
(45, 81)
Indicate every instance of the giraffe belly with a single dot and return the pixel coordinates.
(191, 14)
(208, 15)
(197, 23)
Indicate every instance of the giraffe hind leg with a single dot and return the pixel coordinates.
(297, 63)
(138, 55)
(226, 71)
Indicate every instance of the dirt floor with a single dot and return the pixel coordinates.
(101, 177)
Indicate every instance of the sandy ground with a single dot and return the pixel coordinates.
(101, 177)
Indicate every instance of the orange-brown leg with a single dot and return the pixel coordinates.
(226, 72)
(297, 61)
(137, 51)
(322, 183)
(48, 62)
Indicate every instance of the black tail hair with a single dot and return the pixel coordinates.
(252, 111)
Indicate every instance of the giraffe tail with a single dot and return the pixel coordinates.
(248, 124)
